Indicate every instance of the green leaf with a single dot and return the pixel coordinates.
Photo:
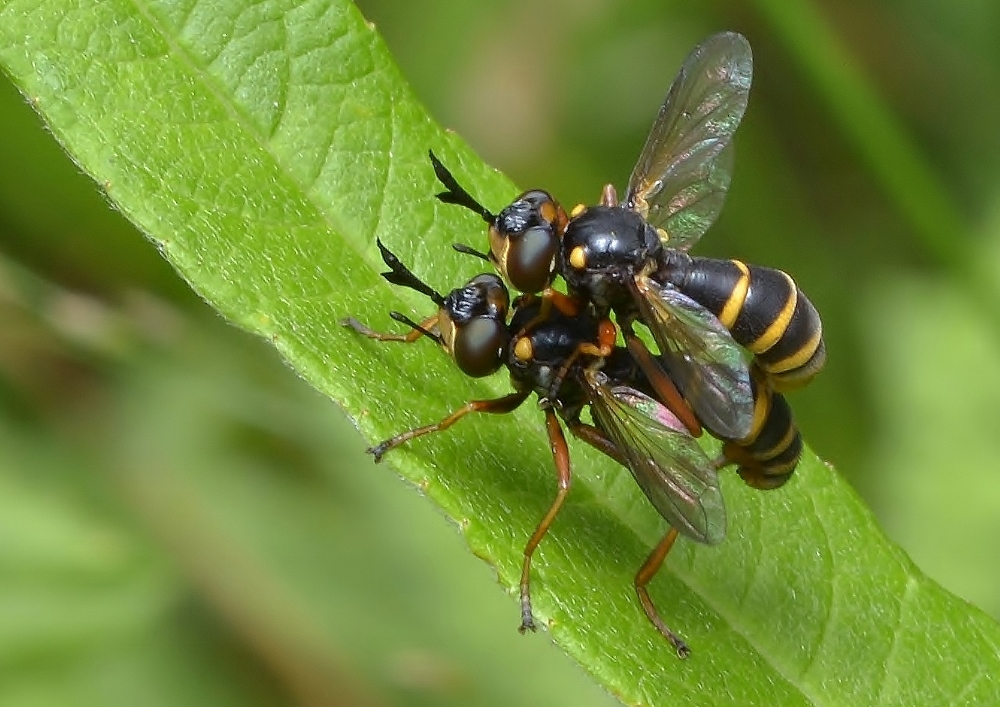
(263, 148)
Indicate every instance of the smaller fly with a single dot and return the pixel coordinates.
(630, 257)
(576, 357)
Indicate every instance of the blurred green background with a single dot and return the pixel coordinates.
(182, 521)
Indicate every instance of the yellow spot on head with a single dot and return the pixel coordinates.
(578, 258)
(548, 211)
(577, 210)
(523, 350)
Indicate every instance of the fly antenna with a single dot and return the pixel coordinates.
(469, 250)
(455, 193)
(402, 318)
(401, 275)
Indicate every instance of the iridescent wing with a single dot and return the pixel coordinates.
(680, 180)
(701, 357)
(665, 460)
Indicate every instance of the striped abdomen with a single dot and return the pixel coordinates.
(765, 311)
(769, 454)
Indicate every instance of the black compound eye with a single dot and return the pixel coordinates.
(479, 346)
(525, 238)
(530, 259)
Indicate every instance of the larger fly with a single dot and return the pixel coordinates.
(630, 257)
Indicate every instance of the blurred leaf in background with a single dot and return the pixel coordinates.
(178, 523)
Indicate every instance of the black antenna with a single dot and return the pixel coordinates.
(455, 194)
(469, 250)
(399, 317)
(400, 275)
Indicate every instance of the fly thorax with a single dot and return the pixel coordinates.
(603, 247)
(674, 268)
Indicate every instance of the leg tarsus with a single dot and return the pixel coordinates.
(497, 406)
(560, 456)
(424, 329)
(644, 576)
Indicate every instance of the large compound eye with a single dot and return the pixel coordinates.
(531, 259)
(478, 346)
(524, 240)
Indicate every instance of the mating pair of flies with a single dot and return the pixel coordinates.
(731, 337)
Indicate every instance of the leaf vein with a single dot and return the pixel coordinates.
(831, 593)
(909, 592)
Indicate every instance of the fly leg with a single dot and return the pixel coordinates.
(599, 441)
(666, 391)
(560, 455)
(425, 328)
(498, 406)
(644, 576)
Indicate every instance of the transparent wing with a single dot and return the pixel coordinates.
(665, 460)
(680, 180)
(701, 357)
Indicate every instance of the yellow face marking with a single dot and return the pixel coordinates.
(578, 258)
(662, 233)
(548, 211)
(800, 357)
(577, 210)
(499, 247)
(776, 330)
(446, 327)
(737, 297)
(523, 350)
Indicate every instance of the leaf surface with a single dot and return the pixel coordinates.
(263, 147)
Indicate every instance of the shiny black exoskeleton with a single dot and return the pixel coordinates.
(767, 458)
(630, 258)
(607, 248)
(602, 250)
(473, 325)
(763, 308)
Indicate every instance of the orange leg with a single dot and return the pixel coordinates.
(560, 455)
(570, 306)
(499, 406)
(407, 338)
(598, 440)
(644, 576)
(665, 389)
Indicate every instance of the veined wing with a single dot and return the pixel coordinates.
(666, 461)
(701, 357)
(681, 178)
